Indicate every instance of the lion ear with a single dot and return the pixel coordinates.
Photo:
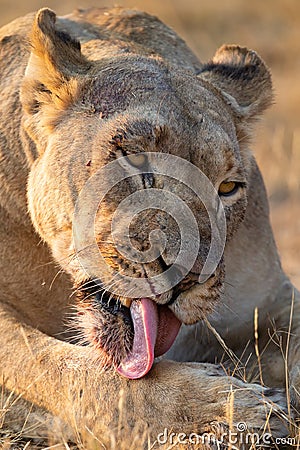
(243, 79)
(55, 56)
(53, 69)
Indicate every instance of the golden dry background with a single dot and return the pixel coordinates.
(271, 27)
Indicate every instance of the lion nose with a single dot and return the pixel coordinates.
(177, 273)
(200, 278)
(173, 272)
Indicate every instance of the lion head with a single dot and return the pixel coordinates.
(94, 112)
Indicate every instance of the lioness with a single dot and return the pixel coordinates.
(103, 89)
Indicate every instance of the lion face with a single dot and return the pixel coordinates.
(142, 132)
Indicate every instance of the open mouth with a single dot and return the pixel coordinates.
(155, 328)
(148, 328)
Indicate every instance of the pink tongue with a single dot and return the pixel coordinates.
(155, 329)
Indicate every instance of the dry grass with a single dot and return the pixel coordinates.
(137, 439)
(272, 27)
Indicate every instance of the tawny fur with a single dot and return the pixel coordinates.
(67, 111)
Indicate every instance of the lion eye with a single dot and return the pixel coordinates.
(228, 188)
(137, 160)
